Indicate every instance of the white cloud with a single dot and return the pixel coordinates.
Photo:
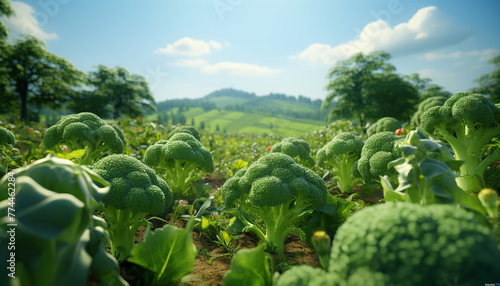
(482, 56)
(238, 68)
(24, 21)
(428, 29)
(189, 47)
(190, 63)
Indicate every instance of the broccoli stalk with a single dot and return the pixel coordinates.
(340, 154)
(278, 191)
(135, 191)
(123, 225)
(181, 157)
(467, 122)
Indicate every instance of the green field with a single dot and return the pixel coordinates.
(240, 122)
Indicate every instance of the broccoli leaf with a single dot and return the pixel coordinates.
(168, 251)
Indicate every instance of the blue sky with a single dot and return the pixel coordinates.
(190, 48)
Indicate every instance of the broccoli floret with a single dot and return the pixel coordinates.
(383, 124)
(467, 122)
(296, 148)
(379, 150)
(7, 137)
(416, 245)
(340, 154)
(7, 141)
(279, 191)
(135, 191)
(85, 131)
(182, 156)
(301, 275)
(426, 105)
(185, 129)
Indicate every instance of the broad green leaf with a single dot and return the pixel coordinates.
(238, 164)
(72, 155)
(250, 267)
(168, 251)
(389, 193)
(431, 168)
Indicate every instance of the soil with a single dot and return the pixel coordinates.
(213, 261)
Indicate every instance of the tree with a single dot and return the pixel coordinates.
(37, 77)
(489, 84)
(5, 9)
(128, 94)
(365, 88)
(424, 87)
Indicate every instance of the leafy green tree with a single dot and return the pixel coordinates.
(5, 9)
(36, 77)
(425, 89)
(88, 101)
(489, 84)
(365, 88)
(128, 94)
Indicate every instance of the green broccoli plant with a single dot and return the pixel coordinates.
(278, 191)
(135, 191)
(427, 175)
(84, 131)
(340, 155)
(296, 148)
(410, 244)
(182, 157)
(379, 150)
(185, 129)
(383, 124)
(425, 105)
(47, 209)
(7, 141)
(467, 122)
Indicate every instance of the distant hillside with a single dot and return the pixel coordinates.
(273, 104)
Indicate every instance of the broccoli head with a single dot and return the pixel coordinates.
(85, 131)
(135, 191)
(416, 245)
(379, 150)
(426, 105)
(185, 129)
(7, 141)
(7, 137)
(467, 122)
(277, 190)
(296, 148)
(340, 154)
(383, 124)
(182, 156)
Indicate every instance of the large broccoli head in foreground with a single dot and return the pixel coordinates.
(182, 157)
(416, 245)
(85, 131)
(296, 148)
(279, 191)
(468, 122)
(135, 191)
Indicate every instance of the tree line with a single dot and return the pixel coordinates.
(365, 88)
(31, 78)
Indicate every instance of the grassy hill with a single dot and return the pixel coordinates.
(237, 111)
(241, 122)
